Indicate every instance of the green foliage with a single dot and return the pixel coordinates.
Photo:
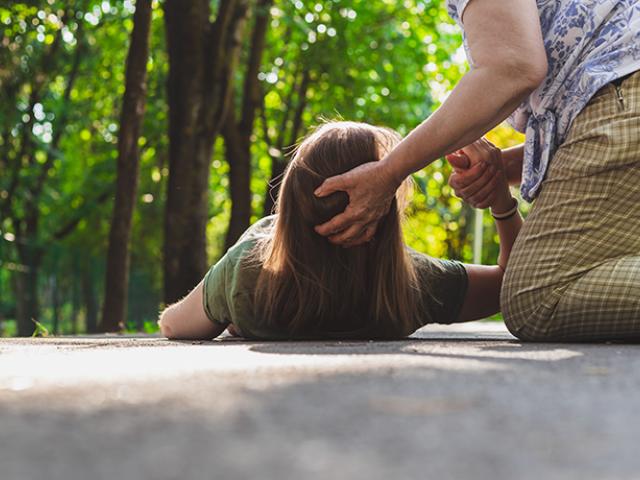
(148, 326)
(379, 61)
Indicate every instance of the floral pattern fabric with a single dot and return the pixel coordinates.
(589, 43)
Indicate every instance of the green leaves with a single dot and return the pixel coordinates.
(380, 61)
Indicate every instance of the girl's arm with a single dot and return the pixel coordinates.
(187, 320)
(512, 161)
(484, 282)
(509, 61)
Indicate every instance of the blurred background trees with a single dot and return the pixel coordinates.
(231, 85)
(114, 308)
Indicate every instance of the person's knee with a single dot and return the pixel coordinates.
(527, 330)
(508, 303)
(515, 319)
(520, 307)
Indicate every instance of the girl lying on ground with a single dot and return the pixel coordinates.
(284, 281)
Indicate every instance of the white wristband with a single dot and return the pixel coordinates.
(508, 214)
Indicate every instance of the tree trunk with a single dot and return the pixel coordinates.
(118, 255)
(19, 282)
(75, 300)
(89, 299)
(29, 303)
(202, 62)
(279, 162)
(29, 253)
(237, 135)
(237, 149)
(55, 296)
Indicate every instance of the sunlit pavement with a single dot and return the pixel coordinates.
(452, 402)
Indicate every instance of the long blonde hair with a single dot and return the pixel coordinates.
(309, 287)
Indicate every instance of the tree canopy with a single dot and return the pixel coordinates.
(282, 67)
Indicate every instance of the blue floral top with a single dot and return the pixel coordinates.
(589, 43)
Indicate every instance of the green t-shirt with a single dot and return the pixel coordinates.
(229, 288)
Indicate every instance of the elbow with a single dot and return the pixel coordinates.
(519, 73)
(529, 72)
(535, 73)
(166, 324)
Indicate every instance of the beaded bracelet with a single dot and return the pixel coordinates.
(508, 214)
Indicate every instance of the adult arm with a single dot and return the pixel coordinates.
(509, 61)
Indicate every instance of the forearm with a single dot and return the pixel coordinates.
(512, 161)
(485, 281)
(465, 116)
(483, 292)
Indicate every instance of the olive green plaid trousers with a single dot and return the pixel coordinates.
(574, 271)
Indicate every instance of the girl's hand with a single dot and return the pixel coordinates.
(479, 177)
(371, 188)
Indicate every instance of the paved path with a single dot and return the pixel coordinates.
(458, 402)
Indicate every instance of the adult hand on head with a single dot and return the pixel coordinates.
(479, 177)
(371, 188)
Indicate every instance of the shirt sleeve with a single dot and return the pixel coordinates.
(449, 289)
(456, 8)
(443, 286)
(215, 295)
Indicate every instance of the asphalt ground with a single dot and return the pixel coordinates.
(467, 401)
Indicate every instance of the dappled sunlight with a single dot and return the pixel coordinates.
(510, 351)
(38, 366)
